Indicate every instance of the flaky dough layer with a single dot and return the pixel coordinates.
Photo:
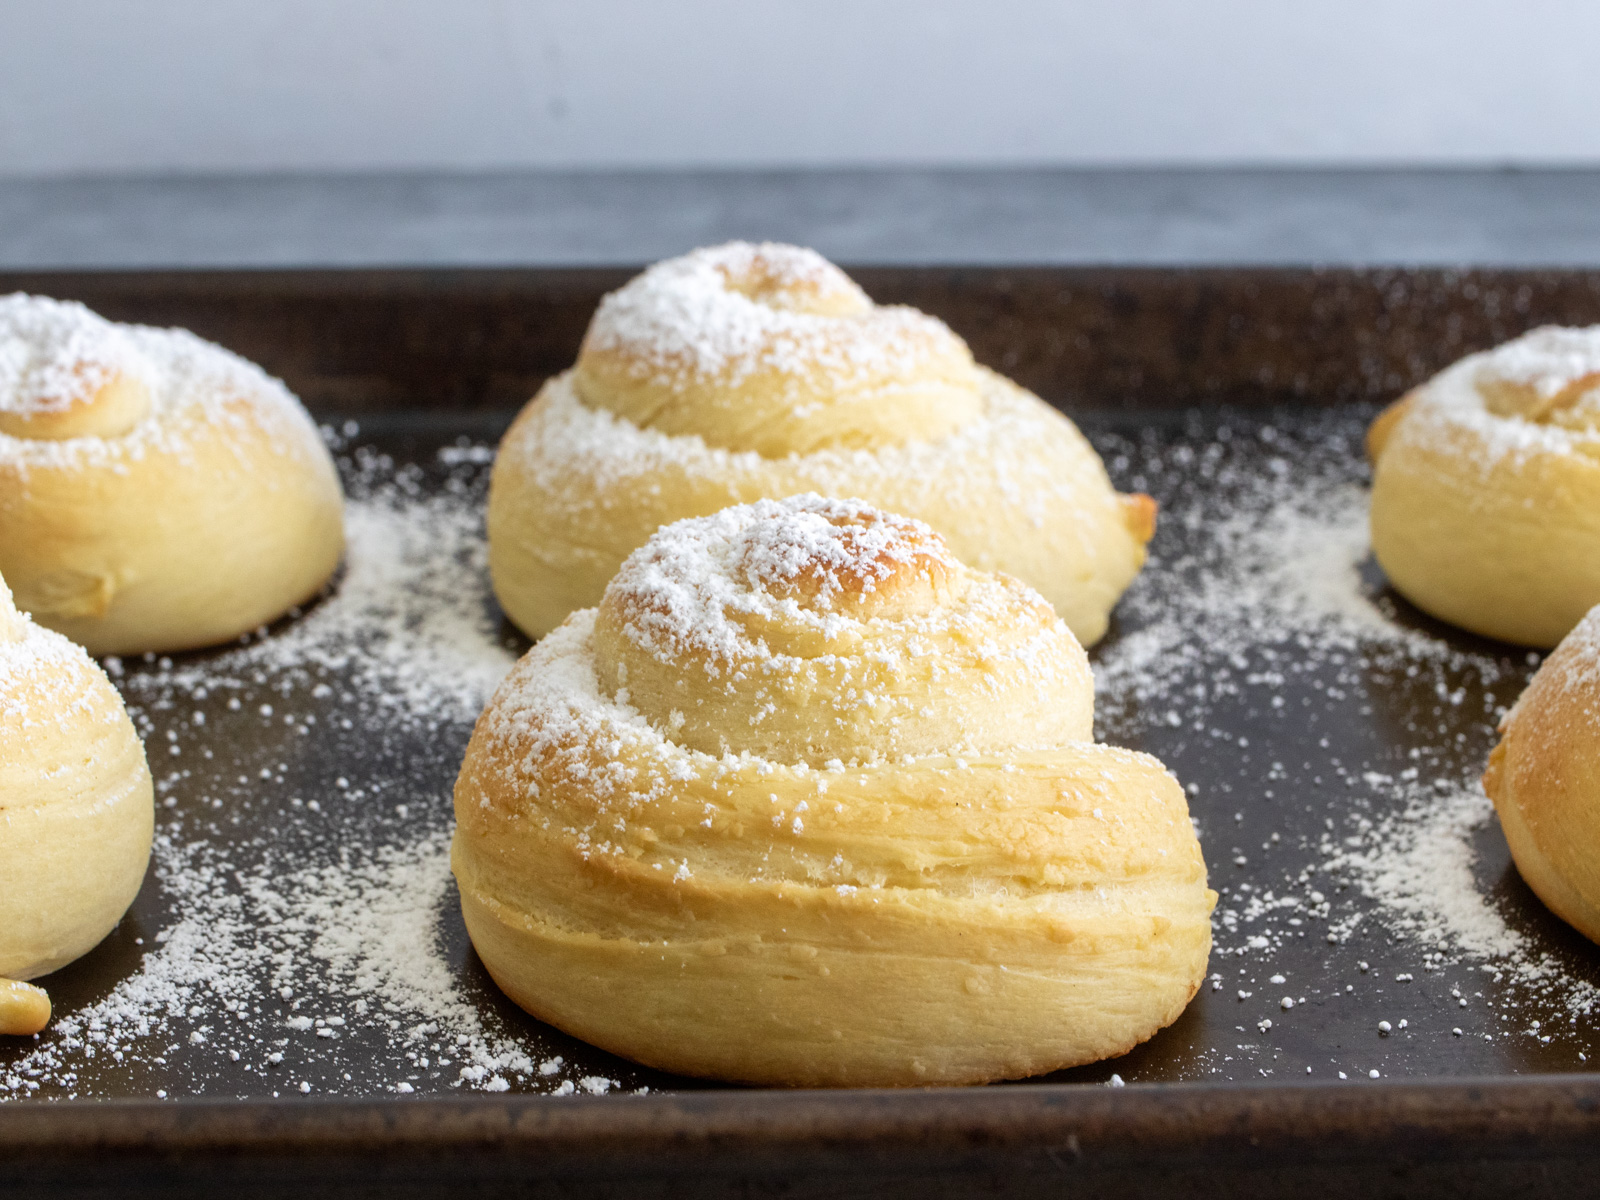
(744, 372)
(156, 492)
(1486, 489)
(807, 802)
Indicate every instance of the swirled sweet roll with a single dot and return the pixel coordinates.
(808, 802)
(76, 811)
(741, 372)
(156, 492)
(1486, 488)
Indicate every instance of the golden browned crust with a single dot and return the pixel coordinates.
(1140, 513)
(24, 1009)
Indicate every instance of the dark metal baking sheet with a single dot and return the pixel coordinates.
(1142, 358)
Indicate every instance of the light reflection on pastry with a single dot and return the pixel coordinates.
(76, 811)
(156, 492)
(1486, 488)
(808, 802)
(741, 372)
(1544, 779)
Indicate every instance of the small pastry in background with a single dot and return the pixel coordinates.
(157, 493)
(1486, 488)
(807, 802)
(1544, 779)
(743, 372)
(77, 810)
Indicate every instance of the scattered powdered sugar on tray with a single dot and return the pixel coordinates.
(1262, 654)
(1418, 862)
(1278, 561)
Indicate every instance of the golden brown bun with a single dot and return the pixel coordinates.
(807, 802)
(76, 810)
(1486, 488)
(747, 372)
(156, 492)
(1544, 779)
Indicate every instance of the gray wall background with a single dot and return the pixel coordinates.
(203, 86)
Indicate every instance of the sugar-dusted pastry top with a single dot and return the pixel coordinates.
(851, 619)
(1537, 394)
(803, 732)
(774, 349)
(77, 390)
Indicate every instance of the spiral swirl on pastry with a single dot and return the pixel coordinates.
(156, 492)
(806, 801)
(743, 372)
(1486, 488)
(77, 810)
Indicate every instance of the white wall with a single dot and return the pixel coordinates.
(254, 85)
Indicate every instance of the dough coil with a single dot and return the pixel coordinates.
(808, 802)
(156, 492)
(1486, 488)
(742, 372)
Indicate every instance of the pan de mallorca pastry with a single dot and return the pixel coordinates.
(156, 491)
(1486, 488)
(808, 802)
(1544, 779)
(76, 811)
(742, 372)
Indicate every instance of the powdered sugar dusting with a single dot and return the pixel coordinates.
(687, 315)
(1507, 404)
(400, 625)
(681, 587)
(192, 384)
(576, 452)
(53, 351)
(1579, 662)
(44, 678)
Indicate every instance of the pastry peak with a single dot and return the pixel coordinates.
(67, 372)
(1550, 376)
(844, 554)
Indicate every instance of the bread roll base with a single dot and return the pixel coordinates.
(799, 1015)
